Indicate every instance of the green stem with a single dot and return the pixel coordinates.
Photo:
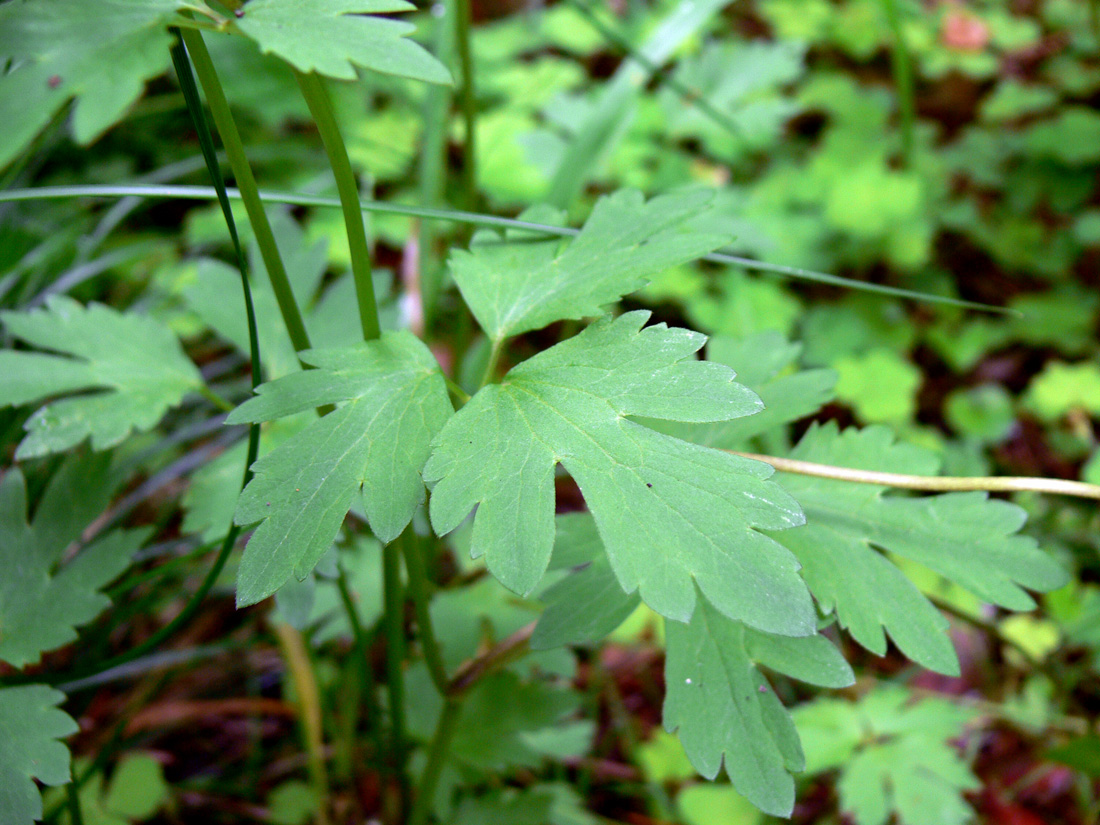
(493, 362)
(433, 170)
(394, 624)
(246, 184)
(689, 95)
(215, 399)
(309, 701)
(76, 816)
(313, 90)
(478, 219)
(362, 646)
(460, 394)
(903, 79)
(468, 97)
(437, 755)
(418, 589)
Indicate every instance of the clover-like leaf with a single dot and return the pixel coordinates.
(40, 603)
(520, 283)
(99, 53)
(966, 537)
(894, 757)
(724, 709)
(332, 37)
(669, 513)
(30, 726)
(136, 360)
(393, 402)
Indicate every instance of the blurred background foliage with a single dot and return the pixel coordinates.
(945, 146)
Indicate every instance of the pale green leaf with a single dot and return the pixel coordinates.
(894, 757)
(522, 283)
(669, 513)
(99, 53)
(393, 402)
(724, 709)
(332, 37)
(30, 726)
(41, 603)
(136, 363)
(966, 537)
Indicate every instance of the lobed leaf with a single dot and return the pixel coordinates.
(763, 363)
(99, 53)
(724, 709)
(42, 604)
(393, 402)
(332, 37)
(137, 362)
(669, 513)
(966, 537)
(588, 604)
(30, 726)
(519, 283)
(894, 757)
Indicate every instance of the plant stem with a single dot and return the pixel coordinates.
(478, 219)
(493, 362)
(990, 484)
(495, 657)
(309, 700)
(394, 624)
(437, 754)
(215, 399)
(903, 79)
(468, 99)
(313, 90)
(246, 184)
(433, 169)
(76, 816)
(362, 647)
(418, 589)
(460, 394)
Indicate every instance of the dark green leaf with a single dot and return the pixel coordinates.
(30, 726)
(41, 603)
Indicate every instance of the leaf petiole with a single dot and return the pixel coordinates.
(932, 484)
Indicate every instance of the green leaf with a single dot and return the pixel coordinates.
(525, 284)
(99, 53)
(331, 37)
(30, 724)
(763, 362)
(669, 513)
(588, 604)
(965, 537)
(135, 361)
(374, 444)
(894, 758)
(41, 605)
(498, 715)
(725, 710)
